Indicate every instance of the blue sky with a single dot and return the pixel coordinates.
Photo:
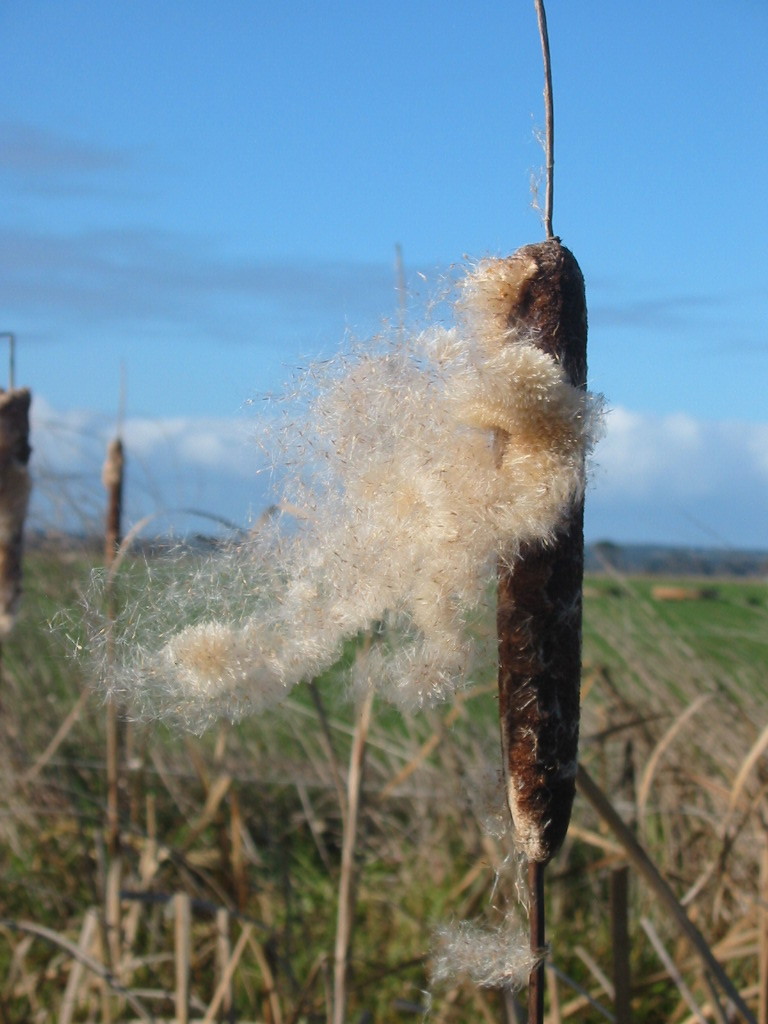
(208, 194)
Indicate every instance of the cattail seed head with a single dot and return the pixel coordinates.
(539, 595)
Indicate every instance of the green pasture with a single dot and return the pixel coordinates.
(722, 628)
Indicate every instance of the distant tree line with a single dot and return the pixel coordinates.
(660, 560)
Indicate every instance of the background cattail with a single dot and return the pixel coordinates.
(14, 497)
(112, 474)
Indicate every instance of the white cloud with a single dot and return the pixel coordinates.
(656, 473)
(210, 464)
(72, 439)
(757, 443)
(669, 478)
(686, 456)
(640, 450)
(212, 443)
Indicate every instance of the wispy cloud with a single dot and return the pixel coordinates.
(25, 149)
(40, 162)
(667, 312)
(169, 281)
(125, 278)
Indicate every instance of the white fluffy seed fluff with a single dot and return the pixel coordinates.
(399, 512)
(498, 957)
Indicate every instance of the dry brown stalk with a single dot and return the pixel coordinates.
(237, 852)
(112, 913)
(660, 749)
(750, 761)
(74, 950)
(582, 1000)
(329, 749)
(214, 796)
(596, 971)
(182, 905)
(346, 904)
(229, 963)
(554, 998)
(432, 742)
(58, 738)
(672, 969)
(88, 933)
(275, 1009)
(620, 943)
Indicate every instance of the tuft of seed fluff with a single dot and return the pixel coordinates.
(396, 508)
(498, 957)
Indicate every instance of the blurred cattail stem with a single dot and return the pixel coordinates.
(14, 498)
(539, 608)
(347, 880)
(112, 478)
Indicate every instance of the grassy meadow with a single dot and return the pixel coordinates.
(217, 900)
